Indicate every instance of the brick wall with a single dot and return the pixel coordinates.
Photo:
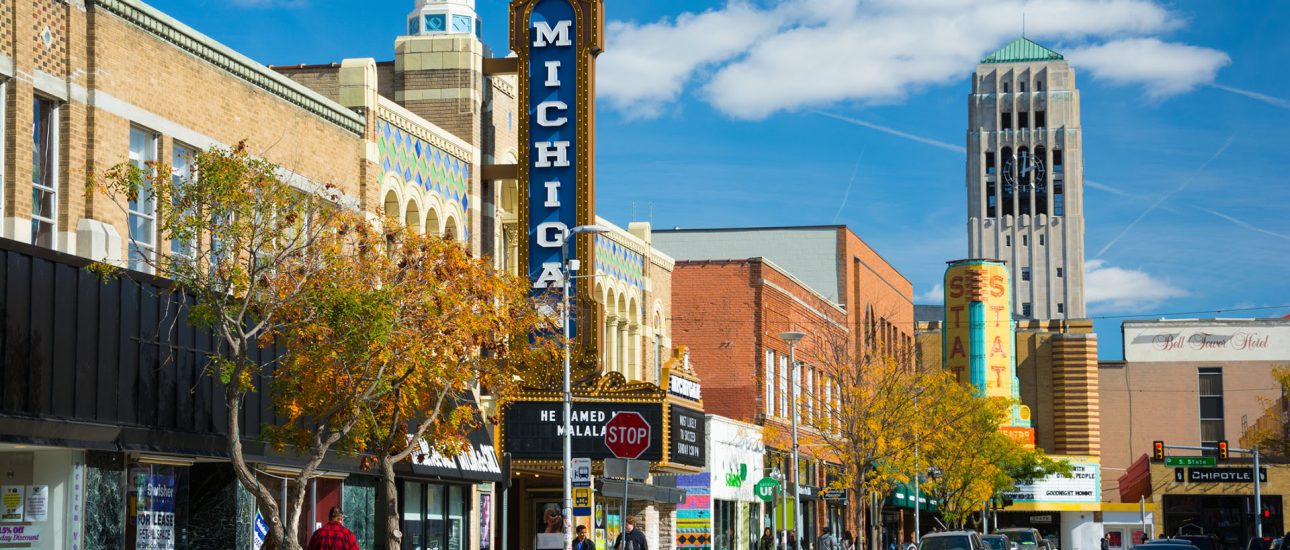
(324, 79)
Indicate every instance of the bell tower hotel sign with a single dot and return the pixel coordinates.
(1207, 340)
(556, 42)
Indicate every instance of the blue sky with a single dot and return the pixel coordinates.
(798, 112)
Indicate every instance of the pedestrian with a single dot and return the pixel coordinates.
(635, 539)
(826, 540)
(333, 535)
(767, 540)
(848, 540)
(1106, 541)
(580, 540)
(792, 540)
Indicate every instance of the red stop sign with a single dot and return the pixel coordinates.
(627, 434)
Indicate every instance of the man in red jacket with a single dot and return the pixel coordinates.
(334, 535)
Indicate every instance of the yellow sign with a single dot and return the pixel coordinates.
(582, 497)
(978, 337)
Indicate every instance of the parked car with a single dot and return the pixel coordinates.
(1169, 544)
(1265, 543)
(951, 540)
(1203, 542)
(1001, 542)
(1025, 537)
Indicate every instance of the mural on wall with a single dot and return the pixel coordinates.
(694, 516)
(424, 166)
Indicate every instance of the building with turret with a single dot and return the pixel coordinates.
(1025, 177)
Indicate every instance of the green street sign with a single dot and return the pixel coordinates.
(765, 489)
(1190, 461)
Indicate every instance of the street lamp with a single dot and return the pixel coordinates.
(918, 495)
(793, 338)
(566, 274)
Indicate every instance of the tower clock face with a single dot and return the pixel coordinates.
(1025, 167)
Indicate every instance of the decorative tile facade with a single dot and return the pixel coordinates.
(620, 262)
(49, 31)
(423, 165)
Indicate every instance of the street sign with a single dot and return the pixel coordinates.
(1174, 461)
(627, 434)
(581, 472)
(765, 488)
(1225, 475)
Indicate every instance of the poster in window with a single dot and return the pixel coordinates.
(12, 498)
(485, 521)
(154, 509)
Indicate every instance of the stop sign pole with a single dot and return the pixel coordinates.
(627, 435)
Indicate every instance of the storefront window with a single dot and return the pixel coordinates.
(359, 502)
(434, 516)
(156, 507)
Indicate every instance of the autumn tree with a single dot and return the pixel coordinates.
(392, 340)
(1271, 432)
(374, 331)
(971, 459)
(875, 416)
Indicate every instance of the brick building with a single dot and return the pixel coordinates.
(736, 290)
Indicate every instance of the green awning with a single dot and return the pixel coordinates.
(903, 497)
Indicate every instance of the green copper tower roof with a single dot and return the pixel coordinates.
(1022, 50)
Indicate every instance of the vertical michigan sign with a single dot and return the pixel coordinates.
(978, 341)
(556, 42)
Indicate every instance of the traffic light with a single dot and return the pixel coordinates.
(1158, 451)
(1222, 450)
(1267, 513)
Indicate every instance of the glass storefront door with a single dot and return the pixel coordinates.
(434, 516)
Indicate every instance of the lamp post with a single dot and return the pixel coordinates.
(917, 471)
(793, 338)
(567, 268)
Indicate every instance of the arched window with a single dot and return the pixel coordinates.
(392, 204)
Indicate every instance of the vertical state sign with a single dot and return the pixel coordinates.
(978, 340)
(556, 42)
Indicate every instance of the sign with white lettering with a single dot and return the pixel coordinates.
(686, 435)
(1251, 340)
(153, 520)
(684, 387)
(1225, 475)
(556, 42)
(534, 430)
(1082, 487)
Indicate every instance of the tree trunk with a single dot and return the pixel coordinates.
(278, 534)
(394, 535)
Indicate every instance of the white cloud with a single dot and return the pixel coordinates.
(645, 67)
(1162, 68)
(750, 61)
(934, 295)
(1109, 288)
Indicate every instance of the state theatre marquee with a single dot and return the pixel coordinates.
(1079, 492)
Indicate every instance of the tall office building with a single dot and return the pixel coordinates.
(1025, 177)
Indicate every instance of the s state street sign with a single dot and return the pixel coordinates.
(627, 435)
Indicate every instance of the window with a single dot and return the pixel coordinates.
(1025, 309)
(1025, 273)
(1059, 204)
(989, 162)
(809, 391)
(1041, 240)
(1006, 88)
(434, 515)
(44, 180)
(1005, 121)
(1023, 120)
(143, 209)
(783, 386)
(1025, 240)
(1059, 272)
(1061, 308)
(1007, 240)
(182, 170)
(1211, 406)
(1021, 86)
(1041, 119)
(1039, 85)
(1057, 161)
(770, 382)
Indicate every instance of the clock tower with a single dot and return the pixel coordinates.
(438, 66)
(1025, 177)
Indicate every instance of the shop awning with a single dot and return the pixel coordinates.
(479, 463)
(903, 497)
